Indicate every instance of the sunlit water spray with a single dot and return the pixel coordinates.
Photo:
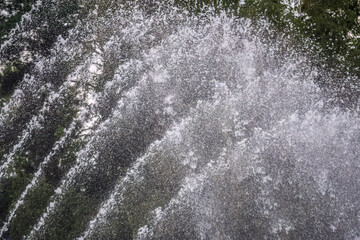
(196, 127)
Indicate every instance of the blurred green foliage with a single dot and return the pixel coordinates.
(10, 77)
(334, 25)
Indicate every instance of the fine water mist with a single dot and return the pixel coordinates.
(146, 121)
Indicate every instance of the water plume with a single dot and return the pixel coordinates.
(186, 126)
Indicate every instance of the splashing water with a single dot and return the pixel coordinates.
(155, 123)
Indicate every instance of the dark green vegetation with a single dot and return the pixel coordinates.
(10, 77)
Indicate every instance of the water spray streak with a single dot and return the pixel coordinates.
(57, 146)
(132, 175)
(34, 124)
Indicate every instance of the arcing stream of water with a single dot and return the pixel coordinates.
(155, 123)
